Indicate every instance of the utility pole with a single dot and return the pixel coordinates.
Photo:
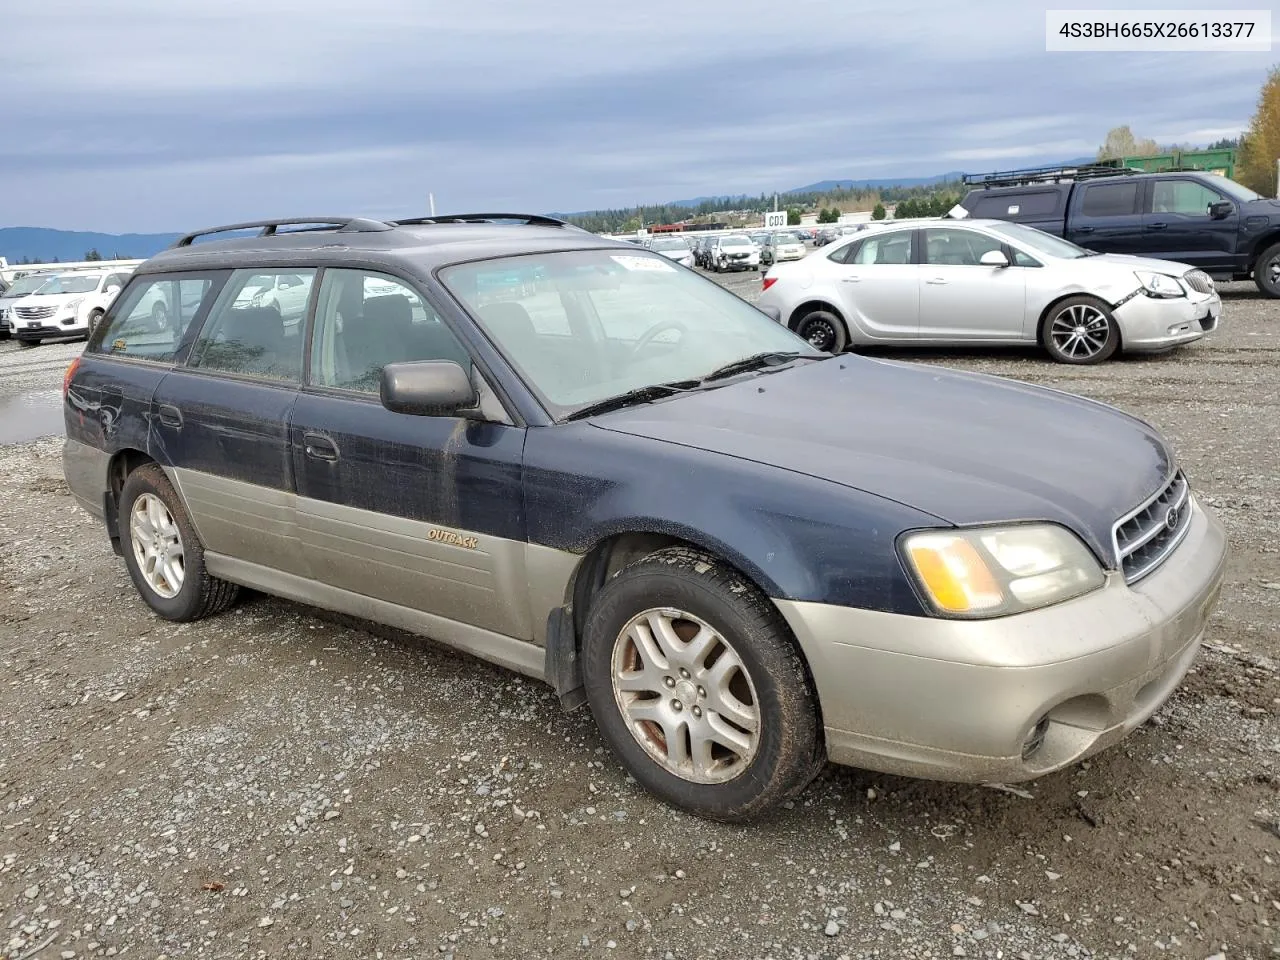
(431, 202)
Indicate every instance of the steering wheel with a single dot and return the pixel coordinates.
(651, 334)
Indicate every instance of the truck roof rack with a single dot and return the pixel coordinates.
(1054, 174)
(268, 228)
(528, 219)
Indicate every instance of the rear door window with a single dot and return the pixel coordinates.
(1111, 199)
(150, 319)
(886, 248)
(255, 328)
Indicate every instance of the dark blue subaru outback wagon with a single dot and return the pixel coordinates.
(579, 460)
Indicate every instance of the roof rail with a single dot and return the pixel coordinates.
(528, 219)
(1056, 174)
(269, 227)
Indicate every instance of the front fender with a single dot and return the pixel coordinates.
(796, 536)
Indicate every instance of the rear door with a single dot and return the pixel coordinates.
(1106, 215)
(221, 426)
(422, 512)
(878, 283)
(1179, 227)
(960, 298)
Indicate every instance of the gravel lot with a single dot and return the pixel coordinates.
(281, 783)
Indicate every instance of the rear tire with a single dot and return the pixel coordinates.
(1266, 272)
(163, 553)
(1080, 330)
(695, 683)
(824, 329)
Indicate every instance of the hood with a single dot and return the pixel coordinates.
(1170, 268)
(963, 447)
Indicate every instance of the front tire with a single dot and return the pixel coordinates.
(163, 553)
(824, 330)
(95, 318)
(1266, 272)
(695, 683)
(1080, 330)
(30, 343)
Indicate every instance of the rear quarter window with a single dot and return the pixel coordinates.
(150, 319)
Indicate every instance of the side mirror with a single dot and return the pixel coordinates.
(994, 258)
(427, 388)
(112, 290)
(1221, 210)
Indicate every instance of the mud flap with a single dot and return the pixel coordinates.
(563, 665)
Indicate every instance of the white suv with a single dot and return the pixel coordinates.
(65, 305)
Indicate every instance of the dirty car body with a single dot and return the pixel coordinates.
(985, 581)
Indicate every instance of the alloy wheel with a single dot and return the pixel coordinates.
(157, 545)
(1080, 332)
(686, 696)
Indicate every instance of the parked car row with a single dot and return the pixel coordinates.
(69, 303)
(612, 480)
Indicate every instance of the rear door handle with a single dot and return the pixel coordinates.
(1084, 229)
(319, 447)
(170, 416)
(1157, 226)
(937, 280)
(850, 279)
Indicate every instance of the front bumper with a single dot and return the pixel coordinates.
(22, 329)
(958, 700)
(1148, 324)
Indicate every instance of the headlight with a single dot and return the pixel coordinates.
(1160, 285)
(73, 305)
(995, 571)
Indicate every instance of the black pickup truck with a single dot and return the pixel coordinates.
(1192, 217)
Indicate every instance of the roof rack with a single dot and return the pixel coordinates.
(1016, 178)
(528, 219)
(269, 227)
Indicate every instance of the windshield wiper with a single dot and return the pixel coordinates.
(772, 358)
(656, 391)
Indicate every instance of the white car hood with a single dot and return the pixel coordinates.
(1171, 268)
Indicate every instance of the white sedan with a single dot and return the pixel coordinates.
(988, 282)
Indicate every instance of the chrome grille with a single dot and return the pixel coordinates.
(1199, 281)
(34, 313)
(1147, 536)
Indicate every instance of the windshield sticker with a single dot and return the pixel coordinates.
(643, 263)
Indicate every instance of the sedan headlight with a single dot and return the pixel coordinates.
(995, 571)
(1160, 285)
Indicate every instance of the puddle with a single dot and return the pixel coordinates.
(30, 416)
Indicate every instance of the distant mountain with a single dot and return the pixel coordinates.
(44, 245)
(826, 186)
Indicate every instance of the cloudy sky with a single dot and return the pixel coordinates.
(142, 115)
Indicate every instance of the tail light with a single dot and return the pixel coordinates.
(768, 282)
(66, 377)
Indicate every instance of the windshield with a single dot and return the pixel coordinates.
(25, 285)
(70, 283)
(734, 242)
(588, 325)
(1234, 190)
(785, 238)
(669, 245)
(1041, 242)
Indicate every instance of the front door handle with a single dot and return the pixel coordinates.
(170, 416)
(937, 280)
(319, 447)
(854, 279)
(1157, 226)
(1084, 229)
